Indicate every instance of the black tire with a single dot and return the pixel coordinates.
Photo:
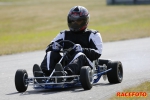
(116, 74)
(103, 61)
(20, 80)
(86, 77)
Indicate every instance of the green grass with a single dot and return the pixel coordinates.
(144, 87)
(28, 25)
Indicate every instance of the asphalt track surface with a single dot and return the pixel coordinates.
(134, 55)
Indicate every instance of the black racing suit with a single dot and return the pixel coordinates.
(91, 42)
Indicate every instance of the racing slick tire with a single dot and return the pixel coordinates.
(20, 80)
(116, 74)
(103, 61)
(86, 77)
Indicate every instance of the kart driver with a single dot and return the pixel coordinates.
(88, 44)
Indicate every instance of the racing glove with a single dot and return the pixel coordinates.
(56, 46)
(77, 48)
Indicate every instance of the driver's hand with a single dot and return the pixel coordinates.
(77, 48)
(56, 46)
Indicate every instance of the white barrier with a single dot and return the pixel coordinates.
(110, 2)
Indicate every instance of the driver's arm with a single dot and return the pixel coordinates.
(96, 45)
(58, 38)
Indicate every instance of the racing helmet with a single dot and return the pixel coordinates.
(78, 18)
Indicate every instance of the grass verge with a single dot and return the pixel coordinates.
(137, 93)
(28, 25)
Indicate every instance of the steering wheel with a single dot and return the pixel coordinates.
(66, 41)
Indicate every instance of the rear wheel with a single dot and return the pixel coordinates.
(20, 80)
(116, 74)
(86, 77)
(103, 61)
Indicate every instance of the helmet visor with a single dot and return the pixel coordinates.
(76, 23)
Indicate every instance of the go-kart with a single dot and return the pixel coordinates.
(113, 70)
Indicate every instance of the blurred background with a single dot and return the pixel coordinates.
(29, 25)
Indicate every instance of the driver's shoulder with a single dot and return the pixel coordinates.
(92, 31)
(64, 31)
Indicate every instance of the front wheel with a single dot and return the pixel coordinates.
(86, 77)
(21, 83)
(116, 74)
